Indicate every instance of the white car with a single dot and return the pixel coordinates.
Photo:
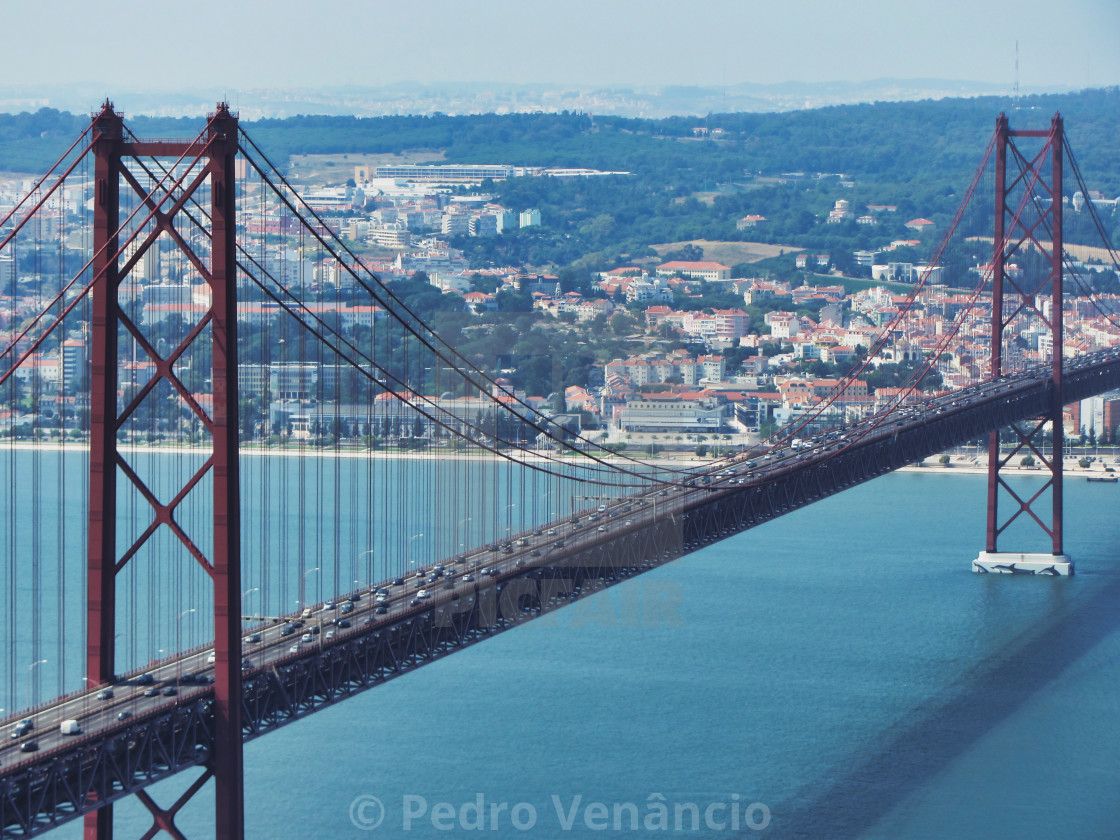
(423, 593)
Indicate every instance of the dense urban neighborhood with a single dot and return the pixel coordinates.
(659, 346)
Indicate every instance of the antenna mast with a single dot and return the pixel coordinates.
(1016, 96)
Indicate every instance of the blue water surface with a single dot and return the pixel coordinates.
(837, 673)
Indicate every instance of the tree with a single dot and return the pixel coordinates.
(1027, 461)
(622, 323)
(943, 460)
(488, 285)
(688, 253)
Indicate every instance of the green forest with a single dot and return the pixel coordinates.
(897, 142)
(788, 167)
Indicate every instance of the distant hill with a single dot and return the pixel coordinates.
(890, 141)
(406, 98)
(691, 178)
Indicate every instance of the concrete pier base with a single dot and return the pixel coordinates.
(1011, 563)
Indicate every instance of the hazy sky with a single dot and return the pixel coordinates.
(251, 44)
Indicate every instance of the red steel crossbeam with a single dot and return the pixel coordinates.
(1012, 234)
(219, 149)
(163, 819)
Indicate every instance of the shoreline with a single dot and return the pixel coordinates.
(961, 466)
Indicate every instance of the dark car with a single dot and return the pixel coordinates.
(125, 715)
(151, 691)
(105, 694)
(381, 610)
(145, 679)
(342, 622)
(170, 691)
(28, 746)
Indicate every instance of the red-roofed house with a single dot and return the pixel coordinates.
(480, 302)
(655, 315)
(749, 222)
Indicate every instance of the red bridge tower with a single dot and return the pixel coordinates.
(1028, 217)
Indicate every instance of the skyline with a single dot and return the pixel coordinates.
(277, 49)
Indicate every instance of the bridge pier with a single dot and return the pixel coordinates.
(1012, 563)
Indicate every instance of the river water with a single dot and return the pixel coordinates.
(837, 673)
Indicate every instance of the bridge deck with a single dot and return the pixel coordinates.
(144, 732)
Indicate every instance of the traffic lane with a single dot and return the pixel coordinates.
(275, 646)
(96, 714)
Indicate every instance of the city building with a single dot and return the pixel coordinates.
(698, 270)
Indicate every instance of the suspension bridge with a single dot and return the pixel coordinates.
(246, 480)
